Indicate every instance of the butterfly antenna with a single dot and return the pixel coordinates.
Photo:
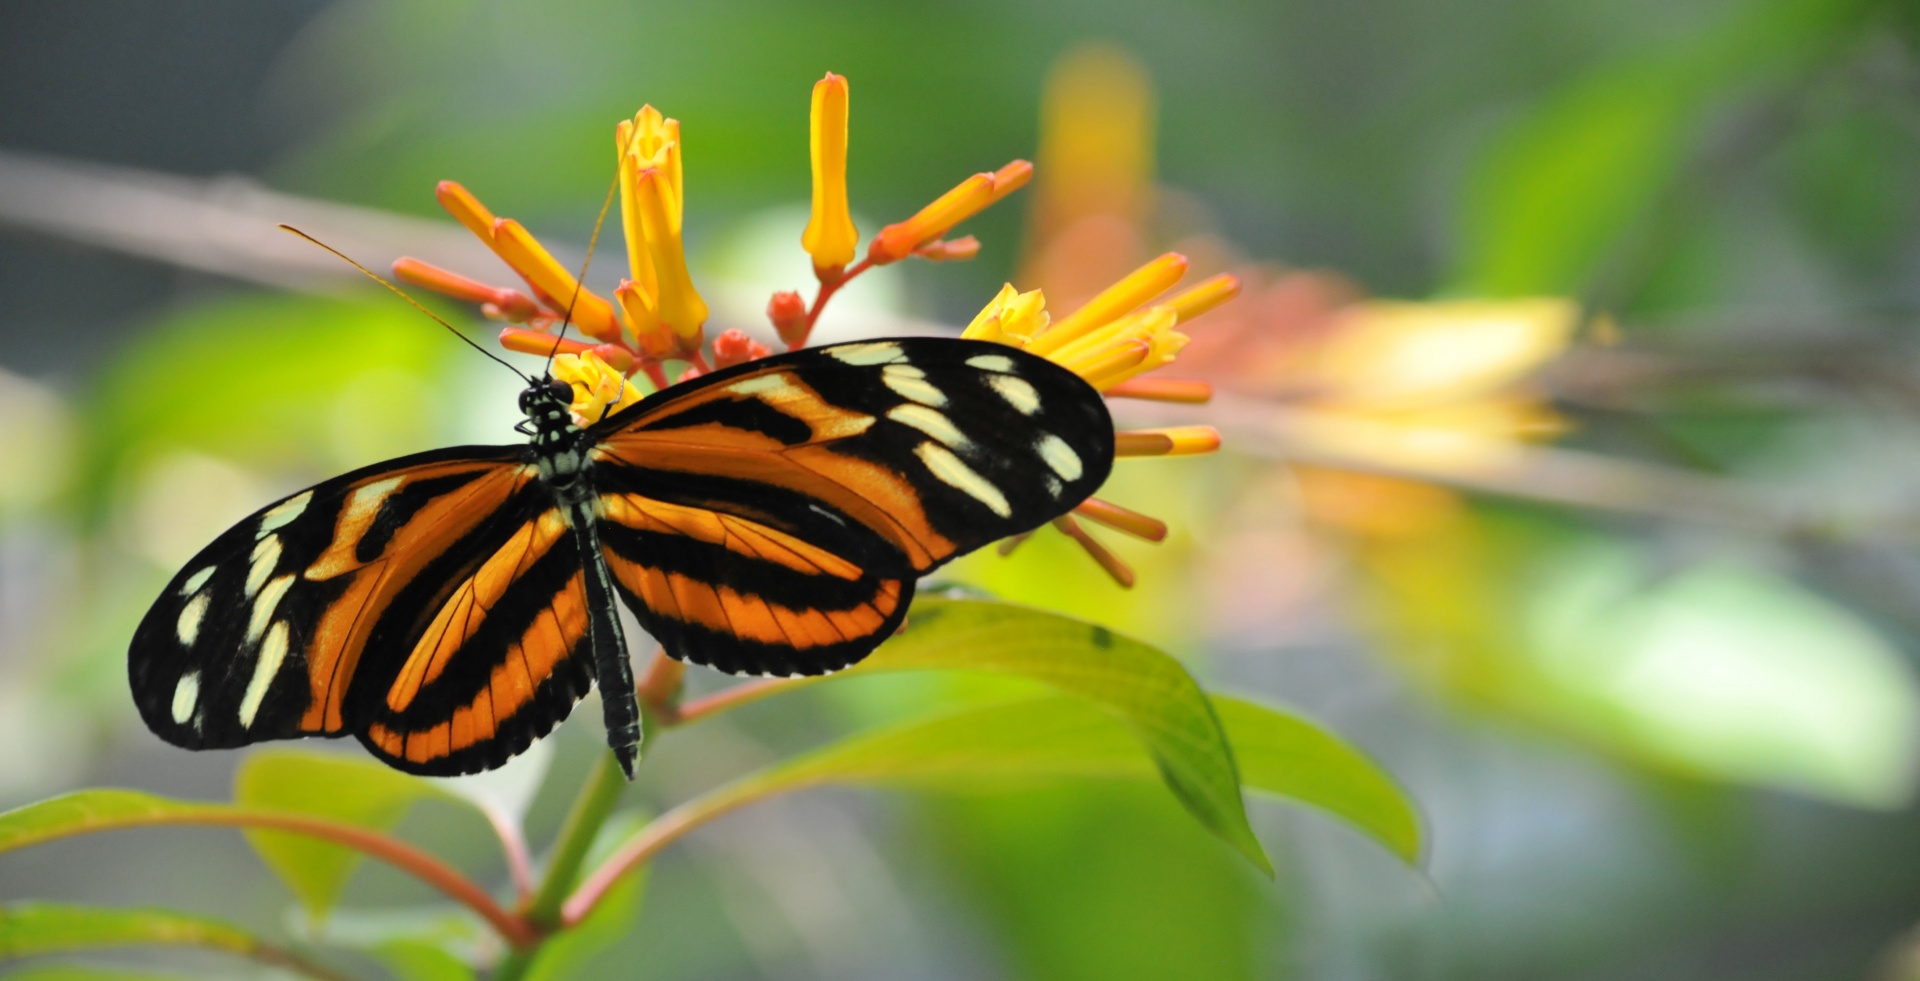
(382, 280)
(593, 242)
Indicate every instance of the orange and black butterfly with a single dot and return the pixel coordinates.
(449, 608)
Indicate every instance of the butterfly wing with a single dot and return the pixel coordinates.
(773, 518)
(430, 605)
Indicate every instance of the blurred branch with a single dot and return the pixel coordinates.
(221, 225)
(1547, 474)
(1809, 366)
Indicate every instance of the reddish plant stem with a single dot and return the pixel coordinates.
(636, 852)
(656, 373)
(827, 289)
(421, 865)
(513, 844)
(736, 696)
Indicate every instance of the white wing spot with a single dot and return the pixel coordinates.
(188, 626)
(195, 581)
(767, 384)
(365, 498)
(282, 514)
(266, 556)
(1018, 393)
(959, 476)
(931, 422)
(263, 607)
(1060, 457)
(272, 651)
(1054, 486)
(186, 695)
(991, 362)
(911, 383)
(881, 352)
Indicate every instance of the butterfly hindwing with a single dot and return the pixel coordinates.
(300, 620)
(772, 518)
(502, 661)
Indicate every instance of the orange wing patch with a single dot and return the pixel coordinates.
(549, 641)
(870, 494)
(463, 612)
(738, 535)
(340, 635)
(726, 611)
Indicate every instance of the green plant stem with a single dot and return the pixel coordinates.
(590, 811)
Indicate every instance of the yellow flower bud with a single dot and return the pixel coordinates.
(830, 236)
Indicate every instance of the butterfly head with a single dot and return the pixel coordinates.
(546, 399)
(548, 406)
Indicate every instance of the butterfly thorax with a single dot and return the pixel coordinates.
(558, 449)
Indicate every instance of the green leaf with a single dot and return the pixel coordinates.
(91, 811)
(416, 960)
(420, 943)
(303, 385)
(1054, 737)
(30, 929)
(1141, 686)
(345, 789)
(1730, 673)
(1289, 756)
(94, 810)
(1079, 882)
(86, 972)
(1561, 188)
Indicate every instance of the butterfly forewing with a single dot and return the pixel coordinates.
(296, 621)
(773, 518)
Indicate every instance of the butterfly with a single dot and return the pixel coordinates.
(450, 607)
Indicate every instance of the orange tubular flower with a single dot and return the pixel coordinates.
(968, 198)
(656, 314)
(830, 236)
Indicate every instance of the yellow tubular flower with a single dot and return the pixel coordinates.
(1012, 318)
(830, 236)
(643, 318)
(680, 305)
(598, 390)
(639, 265)
(1115, 301)
(1205, 295)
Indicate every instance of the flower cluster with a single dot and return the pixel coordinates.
(657, 316)
(1111, 340)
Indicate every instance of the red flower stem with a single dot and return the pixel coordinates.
(513, 844)
(421, 865)
(736, 696)
(638, 850)
(656, 373)
(827, 289)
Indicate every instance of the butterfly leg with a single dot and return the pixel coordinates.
(612, 671)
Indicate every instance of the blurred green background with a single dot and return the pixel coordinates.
(1652, 682)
